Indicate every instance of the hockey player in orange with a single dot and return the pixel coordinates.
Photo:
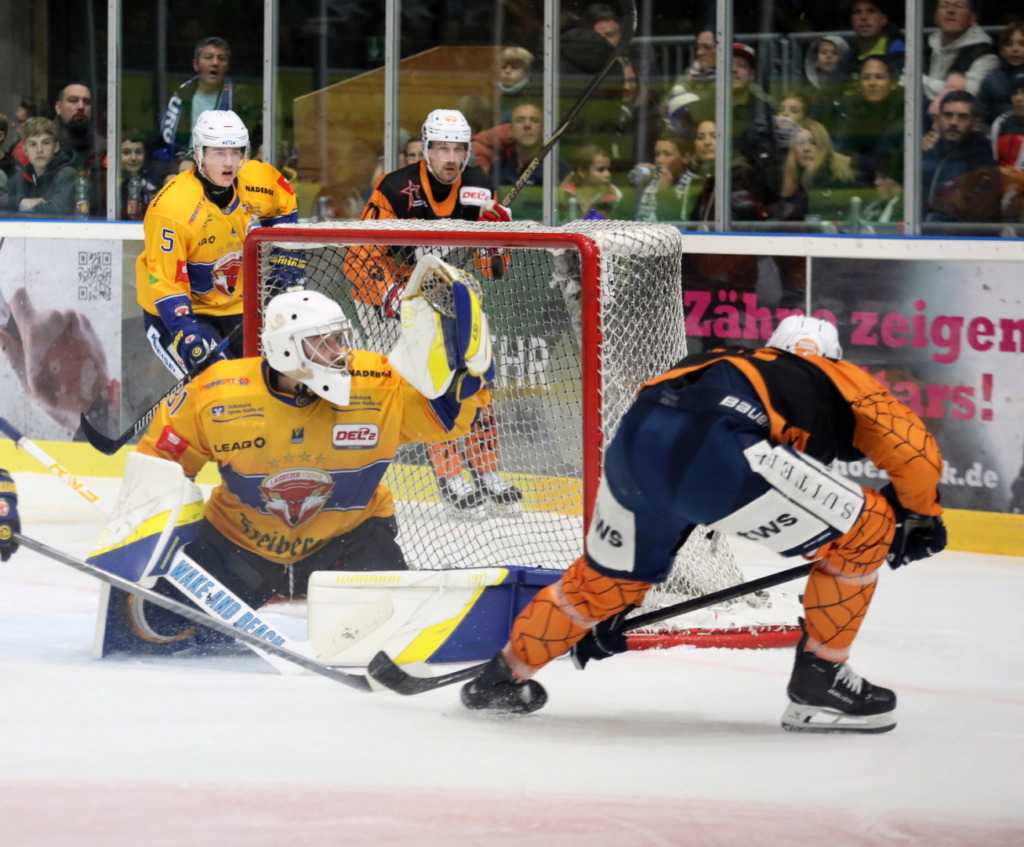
(739, 440)
(438, 186)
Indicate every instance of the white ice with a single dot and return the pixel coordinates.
(677, 747)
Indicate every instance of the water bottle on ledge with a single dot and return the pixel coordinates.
(81, 198)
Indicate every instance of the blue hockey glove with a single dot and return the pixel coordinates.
(9, 523)
(917, 536)
(195, 342)
(602, 642)
(287, 270)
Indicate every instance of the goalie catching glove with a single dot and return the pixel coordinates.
(917, 536)
(445, 343)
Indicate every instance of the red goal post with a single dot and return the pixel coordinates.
(581, 316)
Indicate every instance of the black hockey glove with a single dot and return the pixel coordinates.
(602, 642)
(287, 270)
(917, 536)
(9, 523)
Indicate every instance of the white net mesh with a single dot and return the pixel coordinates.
(581, 316)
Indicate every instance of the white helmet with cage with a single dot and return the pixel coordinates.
(307, 337)
(806, 336)
(218, 128)
(446, 125)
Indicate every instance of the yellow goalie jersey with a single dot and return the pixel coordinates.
(193, 248)
(297, 471)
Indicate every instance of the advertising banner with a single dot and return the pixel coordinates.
(60, 335)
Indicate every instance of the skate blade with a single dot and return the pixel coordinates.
(504, 510)
(801, 718)
(474, 513)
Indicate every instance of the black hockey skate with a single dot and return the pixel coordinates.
(496, 689)
(493, 490)
(459, 496)
(829, 697)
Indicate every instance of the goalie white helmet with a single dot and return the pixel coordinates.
(218, 128)
(806, 336)
(307, 337)
(446, 125)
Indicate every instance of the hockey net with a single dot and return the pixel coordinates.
(581, 316)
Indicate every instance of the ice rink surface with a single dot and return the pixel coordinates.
(676, 747)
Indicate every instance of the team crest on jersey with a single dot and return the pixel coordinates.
(296, 496)
(225, 272)
(412, 191)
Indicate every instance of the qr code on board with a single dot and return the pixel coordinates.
(95, 274)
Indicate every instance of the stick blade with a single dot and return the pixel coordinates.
(101, 442)
(383, 670)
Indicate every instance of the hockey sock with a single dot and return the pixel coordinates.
(840, 589)
(562, 613)
(482, 442)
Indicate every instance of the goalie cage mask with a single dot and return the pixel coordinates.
(307, 337)
(218, 128)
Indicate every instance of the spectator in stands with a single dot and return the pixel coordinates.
(664, 185)
(875, 35)
(753, 128)
(137, 185)
(1008, 148)
(747, 184)
(959, 45)
(8, 164)
(412, 152)
(209, 89)
(813, 176)
(28, 107)
(994, 94)
(871, 119)
(505, 151)
(885, 212)
(825, 83)
(514, 81)
(588, 192)
(79, 139)
(691, 99)
(45, 187)
(791, 115)
(960, 179)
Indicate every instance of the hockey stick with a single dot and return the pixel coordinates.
(107, 445)
(189, 576)
(360, 683)
(628, 30)
(383, 670)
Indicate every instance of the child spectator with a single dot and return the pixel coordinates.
(789, 118)
(885, 212)
(825, 84)
(137, 186)
(46, 185)
(667, 179)
(1008, 148)
(588, 192)
(995, 93)
(513, 82)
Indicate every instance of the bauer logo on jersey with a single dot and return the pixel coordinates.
(611, 538)
(470, 195)
(355, 436)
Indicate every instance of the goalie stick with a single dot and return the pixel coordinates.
(383, 670)
(628, 28)
(360, 683)
(187, 572)
(107, 445)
